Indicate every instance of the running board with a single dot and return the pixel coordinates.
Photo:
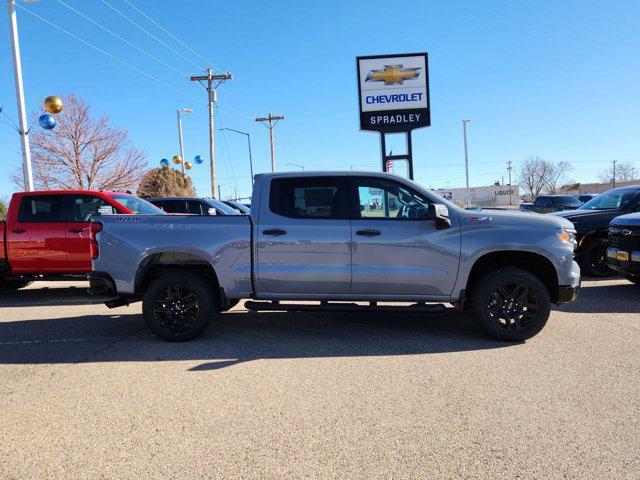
(343, 307)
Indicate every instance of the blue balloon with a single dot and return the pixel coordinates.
(198, 159)
(164, 162)
(47, 121)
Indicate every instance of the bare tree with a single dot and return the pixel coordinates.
(83, 152)
(625, 172)
(556, 175)
(538, 176)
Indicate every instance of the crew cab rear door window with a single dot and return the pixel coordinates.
(83, 207)
(310, 197)
(42, 209)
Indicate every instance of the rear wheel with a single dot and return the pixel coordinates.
(633, 278)
(594, 259)
(13, 283)
(178, 306)
(510, 304)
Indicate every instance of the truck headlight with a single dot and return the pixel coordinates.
(567, 236)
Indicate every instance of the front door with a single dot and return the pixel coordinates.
(36, 241)
(304, 237)
(396, 251)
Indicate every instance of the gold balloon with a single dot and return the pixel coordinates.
(53, 104)
(177, 159)
(187, 165)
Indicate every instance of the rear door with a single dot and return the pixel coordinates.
(303, 236)
(396, 250)
(79, 209)
(36, 237)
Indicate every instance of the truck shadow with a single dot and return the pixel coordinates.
(239, 337)
(596, 297)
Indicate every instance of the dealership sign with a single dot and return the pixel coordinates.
(394, 92)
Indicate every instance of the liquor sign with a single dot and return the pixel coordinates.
(393, 92)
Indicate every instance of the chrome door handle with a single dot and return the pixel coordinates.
(276, 232)
(368, 233)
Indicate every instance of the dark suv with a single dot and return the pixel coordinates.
(555, 203)
(591, 222)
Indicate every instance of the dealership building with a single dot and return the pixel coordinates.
(490, 196)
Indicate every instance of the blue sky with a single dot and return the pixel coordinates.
(554, 79)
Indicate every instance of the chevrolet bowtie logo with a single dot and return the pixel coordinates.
(393, 74)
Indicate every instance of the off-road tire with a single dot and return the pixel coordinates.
(178, 306)
(526, 316)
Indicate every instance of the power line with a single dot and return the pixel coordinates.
(149, 33)
(183, 74)
(142, 72)
(209, 62)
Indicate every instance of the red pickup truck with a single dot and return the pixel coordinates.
(48, 235)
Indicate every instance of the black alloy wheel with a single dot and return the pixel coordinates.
(178, 305)
(176, 308)
(509, 304)
(512, 306)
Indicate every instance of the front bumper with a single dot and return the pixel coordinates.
(629, 266)
(567, 294)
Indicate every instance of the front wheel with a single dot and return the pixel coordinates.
(594, 259)
(510, 304)
(178, 306)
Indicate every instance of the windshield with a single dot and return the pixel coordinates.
(611, 200)
(568, 200)
(137, 205)
(240, 207)
(223, 207)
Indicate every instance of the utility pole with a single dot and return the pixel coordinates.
(184, 110)
(614, 173)
(22, 112)
(466, 159)
(509, 168)
(272, 120)
(209, 78)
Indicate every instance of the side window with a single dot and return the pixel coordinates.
(174, 206)
(197, 208)
(309, 197)
(41, 209)
(386, 199)
(84, 207)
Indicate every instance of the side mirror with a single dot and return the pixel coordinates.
(440, 214)
(212, 211)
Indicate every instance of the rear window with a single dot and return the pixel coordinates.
(309, 197)
(567, 200)
(41, 209)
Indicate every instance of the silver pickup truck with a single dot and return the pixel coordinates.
(327, 240)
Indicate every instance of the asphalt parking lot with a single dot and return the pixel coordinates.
(88, 392)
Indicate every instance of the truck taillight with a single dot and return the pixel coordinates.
(94, 248)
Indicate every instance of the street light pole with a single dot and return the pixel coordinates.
(466, 159)
(22, 112)
(184, 110)
(249, 144)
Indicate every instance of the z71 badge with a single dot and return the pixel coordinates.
(479, 219)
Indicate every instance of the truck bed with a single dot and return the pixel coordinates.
(222, 241)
